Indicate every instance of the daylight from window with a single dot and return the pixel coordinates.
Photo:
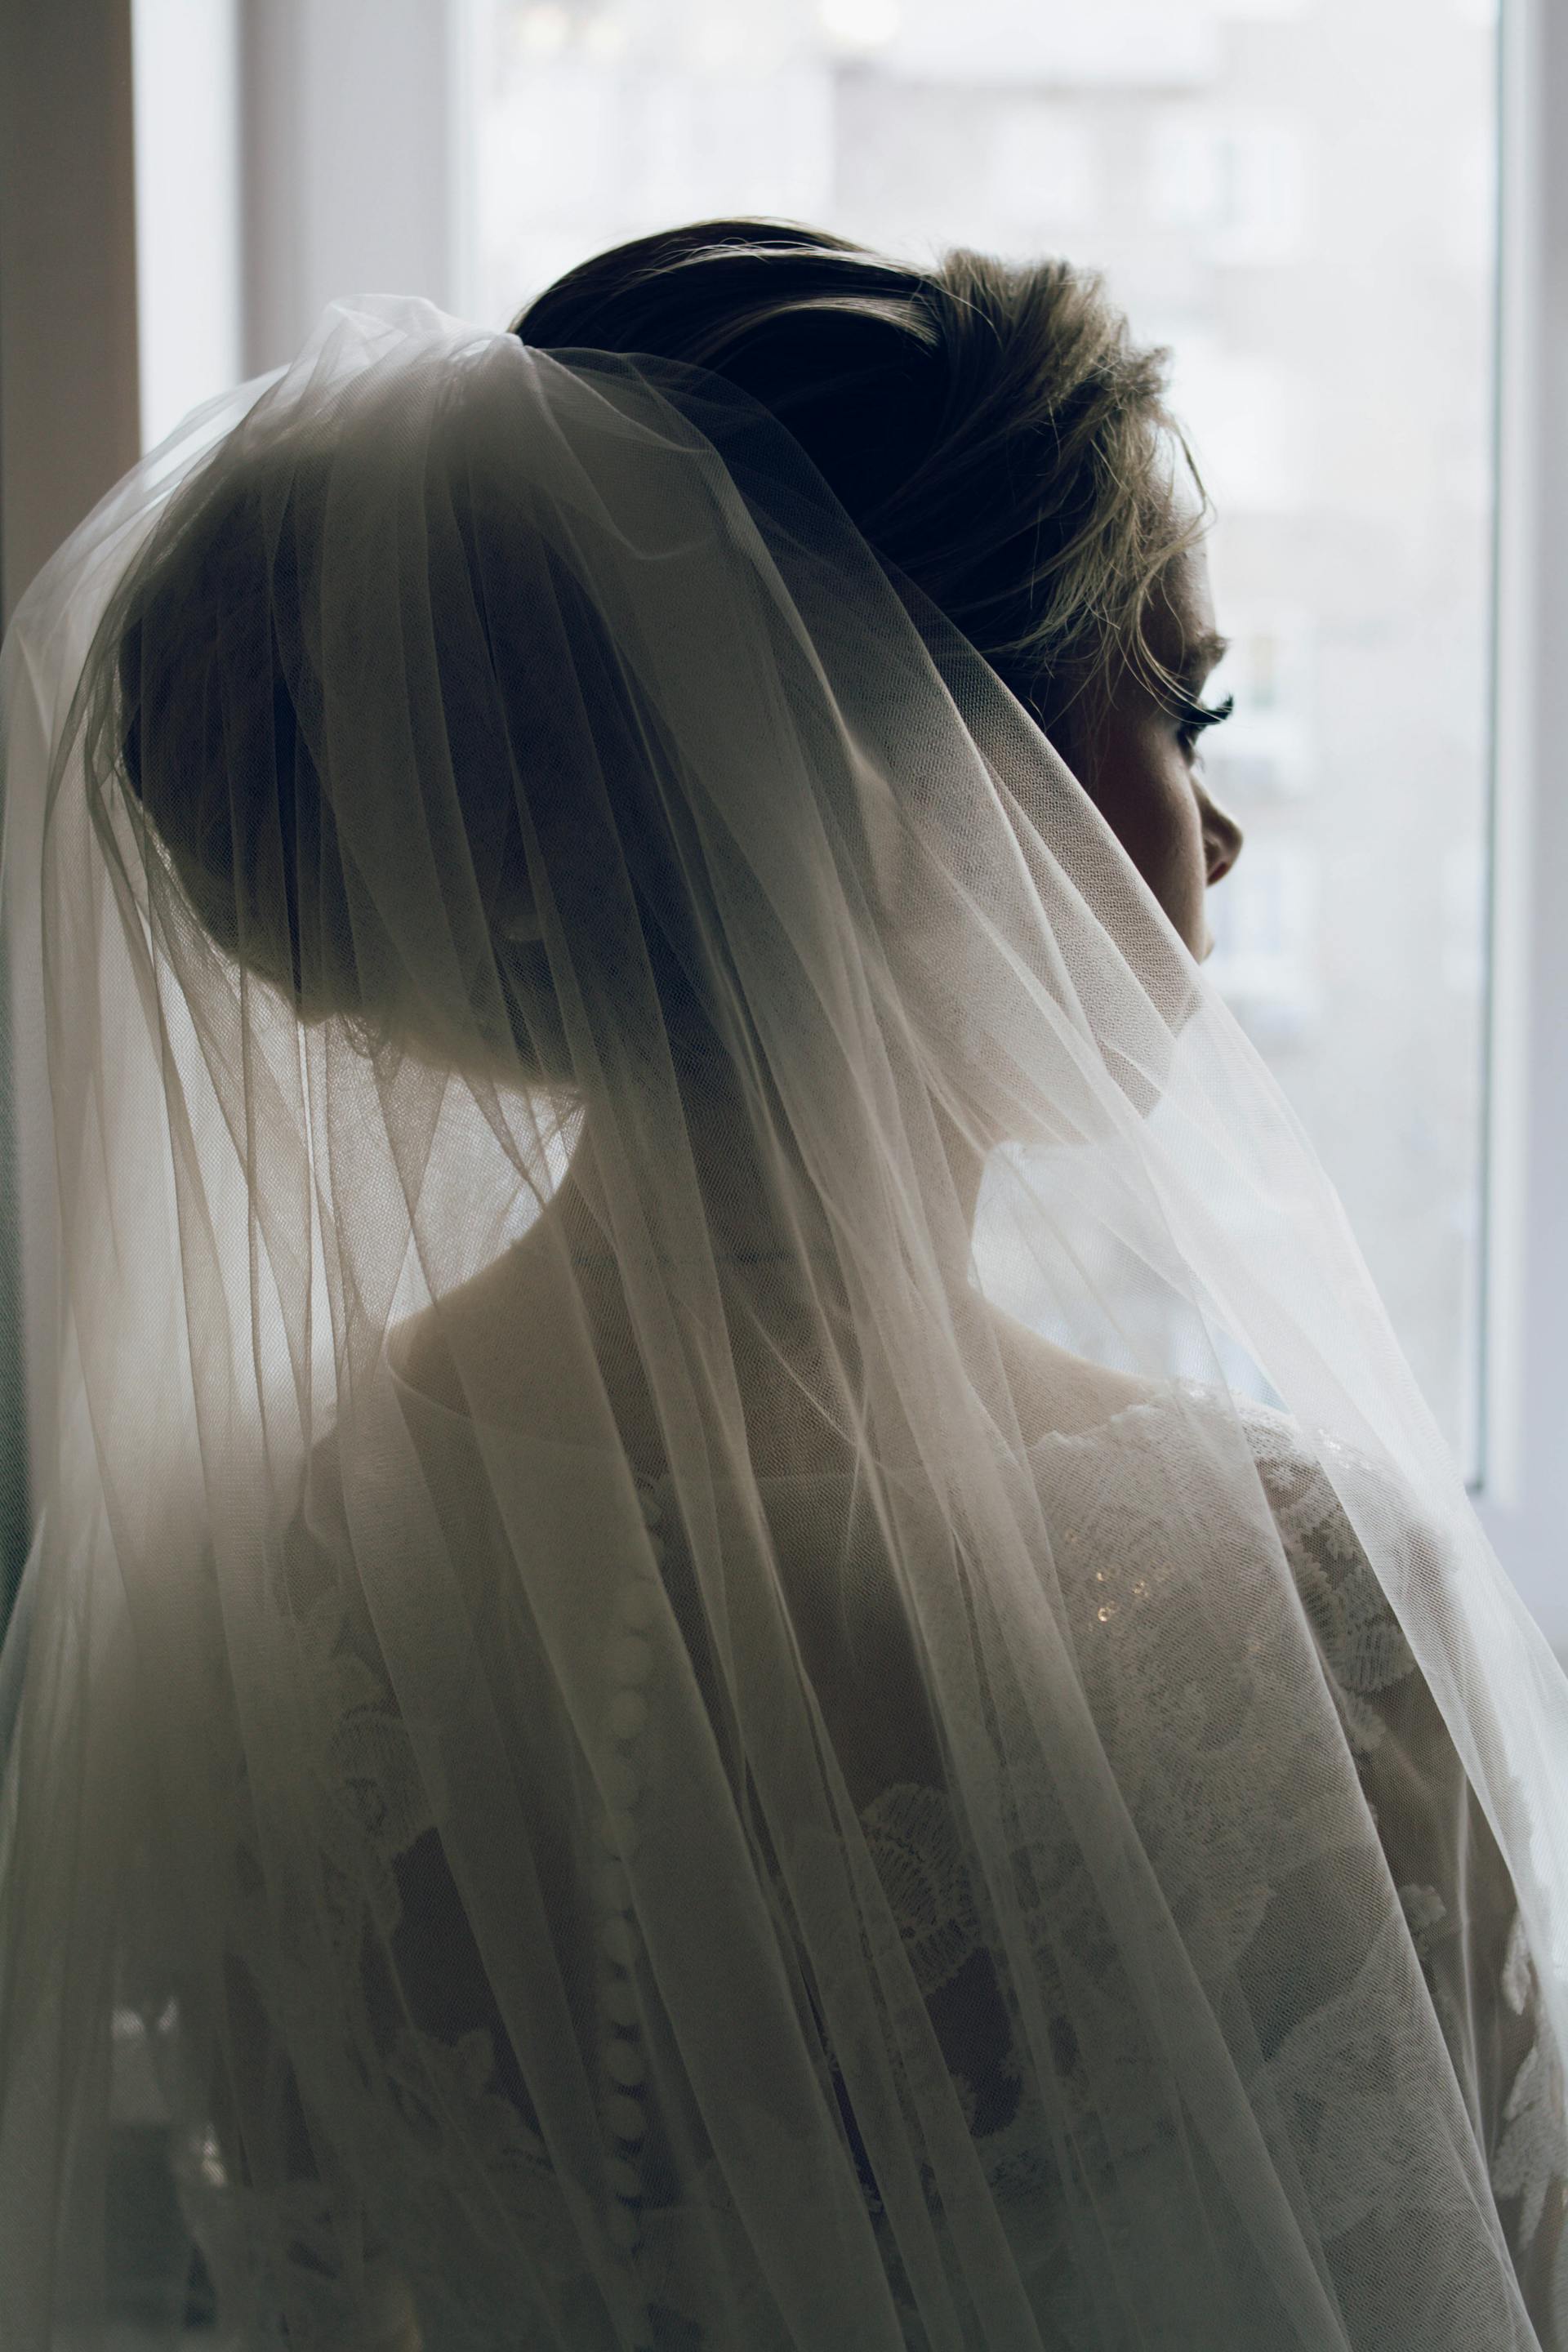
(1317, 249)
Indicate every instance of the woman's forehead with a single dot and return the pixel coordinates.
(1180, 627)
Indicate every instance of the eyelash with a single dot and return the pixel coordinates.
(1197, 715)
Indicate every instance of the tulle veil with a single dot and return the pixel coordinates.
(521, 1842)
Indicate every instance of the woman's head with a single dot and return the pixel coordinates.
(990, 429)
(990, 426)
(1000, 439)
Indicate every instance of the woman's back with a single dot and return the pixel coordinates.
(1310, 1827)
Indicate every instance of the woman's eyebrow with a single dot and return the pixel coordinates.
(1205, 653)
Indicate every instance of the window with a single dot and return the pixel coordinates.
(1311, 241)
(1237, 181)
(1266, 929)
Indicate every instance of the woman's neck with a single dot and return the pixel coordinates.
(745, 1223)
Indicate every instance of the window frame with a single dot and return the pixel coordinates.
(1522, 1495)
(351, 132)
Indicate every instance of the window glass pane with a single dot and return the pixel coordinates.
(1296, 196)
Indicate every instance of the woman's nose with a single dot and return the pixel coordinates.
(1223, 837)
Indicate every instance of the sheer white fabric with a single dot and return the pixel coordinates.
(822, 1771)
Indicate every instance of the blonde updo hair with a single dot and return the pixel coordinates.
(990, 428)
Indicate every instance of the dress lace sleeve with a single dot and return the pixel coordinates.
(1453, 1882)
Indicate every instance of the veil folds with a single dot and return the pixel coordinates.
(789, 1759)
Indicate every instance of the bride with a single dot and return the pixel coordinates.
(742, 1632)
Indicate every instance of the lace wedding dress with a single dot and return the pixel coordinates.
(1251, 1809)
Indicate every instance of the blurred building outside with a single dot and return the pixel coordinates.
(1316, 245)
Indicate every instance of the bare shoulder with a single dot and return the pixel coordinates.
(480, 1322)
(1056, 1391)
(477, 1324)
(514, 1348)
